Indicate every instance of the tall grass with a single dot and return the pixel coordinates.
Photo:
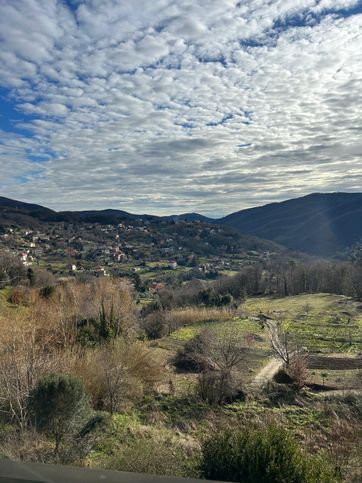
(194, 315)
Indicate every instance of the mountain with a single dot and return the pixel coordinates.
(18, 213)
(109, 216)
(189, 217)
(13, 212)
(319, 224)
(164, 235)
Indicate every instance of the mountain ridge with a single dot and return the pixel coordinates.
(319, 223)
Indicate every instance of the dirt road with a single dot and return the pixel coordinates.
(268, 372)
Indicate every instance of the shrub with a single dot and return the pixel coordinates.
(158, 456)
(223, 353)
(19, 296)
(219, 387)
(268, 455)
(298, 370)
(119, 373)
(280, 393)
(155, 325)
(47, 291)
(12, 271)
(57, 404)
(193, 315)
(282, 377)
(191, 356)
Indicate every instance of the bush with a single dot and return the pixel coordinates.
(57, 404)
(155, 325)
(218, 387)
(268, 455)
(12, 271)
(191, 356)
(298, 370)
(47, 291)
(282, 377)
(19, 296)
(280, 393)
(119, 373)
(155, 456)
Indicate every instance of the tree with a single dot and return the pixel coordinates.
(279, 341)
(267, 455)
(30, 276)
(57, 404)
(120, 372)
(23, 360)
(220, 353)
(11, 269)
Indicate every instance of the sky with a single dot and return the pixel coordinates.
(172, 106)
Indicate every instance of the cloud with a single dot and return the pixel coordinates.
(169, 106)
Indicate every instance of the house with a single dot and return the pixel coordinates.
(24, 256)
(26, 259)
(120, 256)
(156, 286)
(101, 272)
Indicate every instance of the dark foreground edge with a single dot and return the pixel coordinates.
(15, 472)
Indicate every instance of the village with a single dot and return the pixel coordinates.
(153, 252)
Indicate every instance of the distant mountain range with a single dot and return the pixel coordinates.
(319, 224)
(21, 213)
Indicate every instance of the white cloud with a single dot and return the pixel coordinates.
(169, 106)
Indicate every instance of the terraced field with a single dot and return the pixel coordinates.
(320, 322)
(328, 326)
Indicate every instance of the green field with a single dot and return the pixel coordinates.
(320, 322)
(242, 326)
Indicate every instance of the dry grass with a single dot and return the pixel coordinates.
(194, 315)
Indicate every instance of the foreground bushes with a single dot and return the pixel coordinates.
(268, 455)
(57, 404)
(119, 373)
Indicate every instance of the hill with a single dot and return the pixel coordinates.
(109, 216)
(189, 217)
(141, 237)
(18, 213)
(320, 224)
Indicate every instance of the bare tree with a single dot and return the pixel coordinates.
(118, 373)
(22, 360)
(279, 341)
(222, 352)
(11, 269)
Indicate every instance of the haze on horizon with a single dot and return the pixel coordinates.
(172, 106)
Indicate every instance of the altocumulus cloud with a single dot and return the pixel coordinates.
(174, 105)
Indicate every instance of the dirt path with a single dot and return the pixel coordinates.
(268, 372)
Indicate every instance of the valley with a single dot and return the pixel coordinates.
(173, 332)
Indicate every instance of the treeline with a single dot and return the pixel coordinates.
(280, 279)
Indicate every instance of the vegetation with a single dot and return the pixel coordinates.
(266, 455)
(57, 403)
(150, 381)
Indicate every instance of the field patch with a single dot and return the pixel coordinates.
(318, 322)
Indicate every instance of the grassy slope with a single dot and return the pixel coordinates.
(320, 322)
(330, 329)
